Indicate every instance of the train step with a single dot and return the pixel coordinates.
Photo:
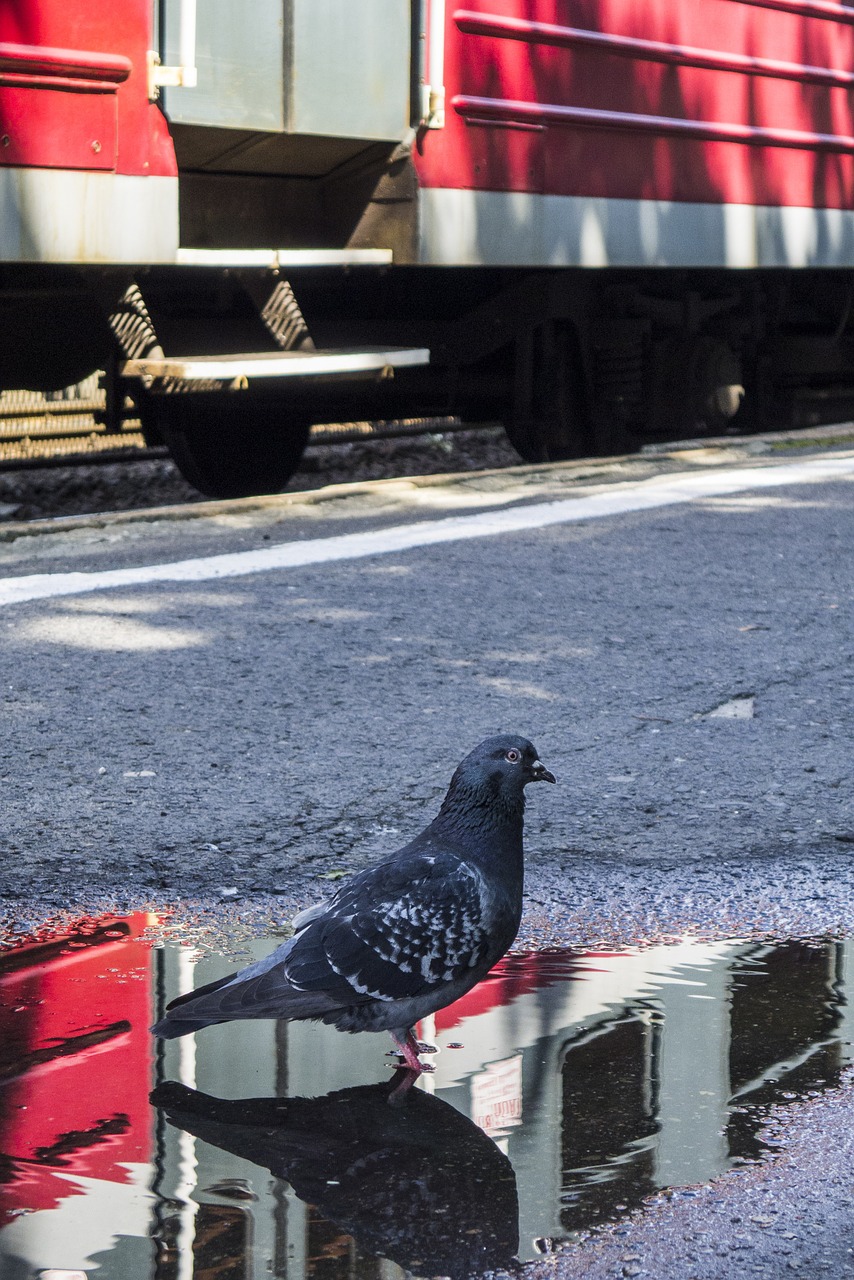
(236, 370)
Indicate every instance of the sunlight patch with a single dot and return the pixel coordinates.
(110, 633)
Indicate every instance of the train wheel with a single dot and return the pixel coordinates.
(549, 420)
(698, 386)
(229, 446)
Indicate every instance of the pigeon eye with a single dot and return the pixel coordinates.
(513, 755)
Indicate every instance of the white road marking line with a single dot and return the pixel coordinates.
(643, 495)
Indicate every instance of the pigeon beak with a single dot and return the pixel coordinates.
(539, 773)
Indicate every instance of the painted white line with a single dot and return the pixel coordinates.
(644, 495)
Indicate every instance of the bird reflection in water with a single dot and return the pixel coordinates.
(409, 1177)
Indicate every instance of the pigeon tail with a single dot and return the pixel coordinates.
(172, 1024)
(236, 996)
(170, 1029)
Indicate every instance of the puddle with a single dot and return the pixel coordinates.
(583, 1082)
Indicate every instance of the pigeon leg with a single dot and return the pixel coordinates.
(404, 1080)
(408, 1046)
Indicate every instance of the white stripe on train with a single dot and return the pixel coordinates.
(527, 229)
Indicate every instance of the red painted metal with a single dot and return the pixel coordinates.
(73, 66)
(55, 124)
(74, 88)
(544, 113)
(708, 101)
(649, 50)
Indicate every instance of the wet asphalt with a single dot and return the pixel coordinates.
(229, 749)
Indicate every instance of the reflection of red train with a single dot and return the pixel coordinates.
(595, 220)
(602, 1076)
(75, 1064)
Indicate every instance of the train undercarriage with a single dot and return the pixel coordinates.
(230, 365)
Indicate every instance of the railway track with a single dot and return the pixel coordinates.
(66, 429)
(58, 459)
(24, 451)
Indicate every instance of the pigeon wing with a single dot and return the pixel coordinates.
(395, 933)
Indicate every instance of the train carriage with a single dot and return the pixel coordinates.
(598, 221)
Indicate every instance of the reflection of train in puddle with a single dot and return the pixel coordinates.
(603, 1076)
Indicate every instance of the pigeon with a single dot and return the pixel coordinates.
(419, 1184)
(404, 938)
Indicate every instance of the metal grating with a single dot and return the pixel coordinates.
(46, 413)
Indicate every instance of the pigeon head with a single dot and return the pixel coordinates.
(488, 786)
(504, 764)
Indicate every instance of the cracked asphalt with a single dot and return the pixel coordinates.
(225, 748)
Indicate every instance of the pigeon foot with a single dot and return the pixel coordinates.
(409, 1049)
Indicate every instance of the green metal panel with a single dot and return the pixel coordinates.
(329, 68)
(240, 59)
(348, 75)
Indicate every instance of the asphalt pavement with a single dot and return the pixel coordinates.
(253, 732)
(232, 744)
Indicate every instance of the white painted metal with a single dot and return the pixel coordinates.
(436, 65)
(185, 75)
(187, 1162)
(274, 259)
(187, 43)
(520, 228)
(276, 364)
(74, 216)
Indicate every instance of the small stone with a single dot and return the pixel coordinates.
(741, 707)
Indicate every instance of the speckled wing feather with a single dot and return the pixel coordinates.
(391, 933)
(394, 933)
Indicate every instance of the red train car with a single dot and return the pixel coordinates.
(599, 221)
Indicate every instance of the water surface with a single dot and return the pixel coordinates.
(568, 1087)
